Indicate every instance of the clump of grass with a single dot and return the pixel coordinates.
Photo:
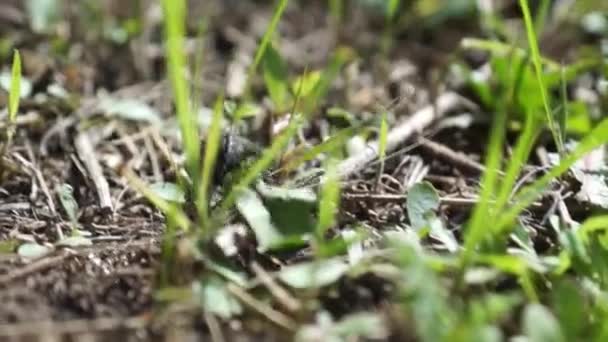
(175, 11)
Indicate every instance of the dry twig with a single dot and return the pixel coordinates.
(86, 153)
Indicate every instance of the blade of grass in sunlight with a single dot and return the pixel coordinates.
(537, 62)
(15, 90)
(329, 200)
(174, 20)
(212, 146)
(276, 17)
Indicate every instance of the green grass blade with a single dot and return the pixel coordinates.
(541, 16)
(537, 62)
(275, 77)
(172, 212)
(521, 152)
(382, 138)
(174, 12)
(276, 17)
(329, 201)
(530, 193)
(212, 147)
(391, 8)
(477, 227)
(15, 88)
(340, 57)
(336, 7)
(199, 63)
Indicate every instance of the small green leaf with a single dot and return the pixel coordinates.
(365, 324)
(275, 77)
(313, 274)
(570, 308)
(215, 297)
(422, 199)
(75, 241)
(170, 192)
(246, 110)
(306, 83)
(304, 195)
(540, 325)
(33, 251)
(68, 202)
(257, 216)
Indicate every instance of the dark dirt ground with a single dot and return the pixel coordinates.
(105, 291)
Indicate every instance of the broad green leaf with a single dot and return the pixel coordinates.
(275, 77)
(215, 298)
(422, 199)
(270, 30)
(306, 83)
(258, 217)
(539, 324)
(270, 192)
(167, 191)
(175, 216)
(246, 110)
(291, 210)
(570, 308)
(32, 251)
(313, 274)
